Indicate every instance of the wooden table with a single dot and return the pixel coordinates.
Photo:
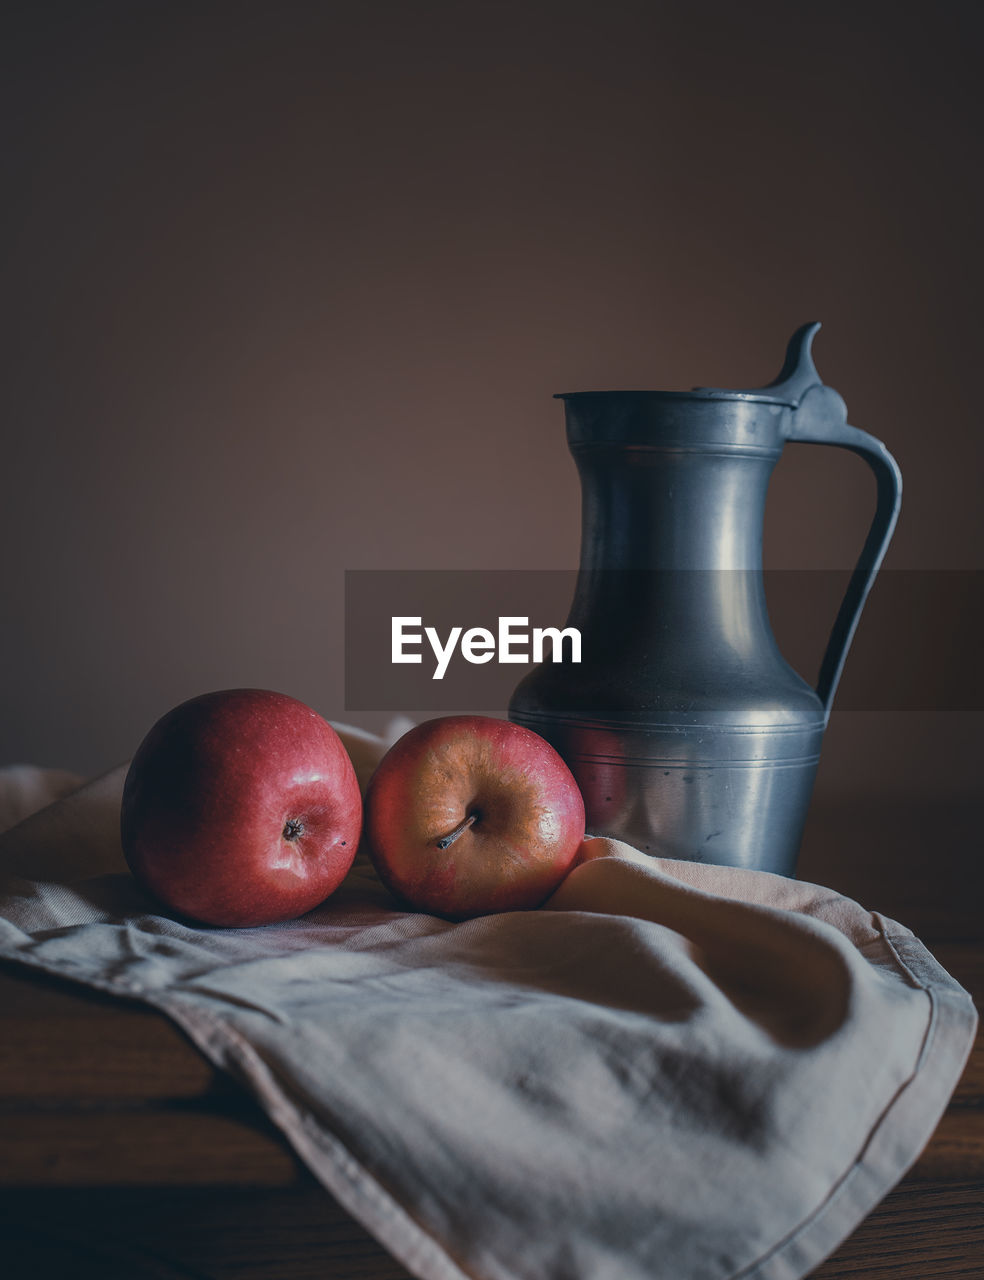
(123, 1155)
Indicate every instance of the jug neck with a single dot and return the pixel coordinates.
(672, 507)
(674, 480)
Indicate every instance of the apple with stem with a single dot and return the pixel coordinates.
(241, 807)
(468, 815)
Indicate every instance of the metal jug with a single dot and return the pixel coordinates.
(689, 734)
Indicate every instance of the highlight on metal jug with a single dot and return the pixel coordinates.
(688, 732)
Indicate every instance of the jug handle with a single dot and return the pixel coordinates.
(821, 418)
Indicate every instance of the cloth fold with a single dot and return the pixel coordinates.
(671, 1070)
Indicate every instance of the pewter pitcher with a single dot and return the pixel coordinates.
(689, 734)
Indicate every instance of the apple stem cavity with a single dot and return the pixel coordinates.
(293, 828)
(445, 842)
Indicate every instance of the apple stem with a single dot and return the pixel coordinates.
(448, 840)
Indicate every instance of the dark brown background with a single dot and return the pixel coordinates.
(288, 288)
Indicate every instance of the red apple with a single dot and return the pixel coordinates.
(467, 815)
(241, 808)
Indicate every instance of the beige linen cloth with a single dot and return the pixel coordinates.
(673, 1070)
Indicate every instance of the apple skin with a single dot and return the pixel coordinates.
(241, 807)
(527, 830)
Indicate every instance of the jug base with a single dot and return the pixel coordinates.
(732, 795)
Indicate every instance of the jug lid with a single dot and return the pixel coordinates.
(796, 376)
